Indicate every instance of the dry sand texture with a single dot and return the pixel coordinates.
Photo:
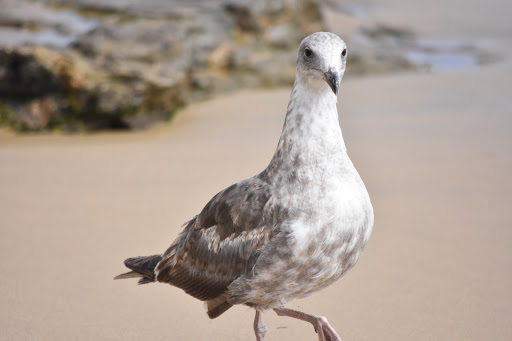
(434, 149)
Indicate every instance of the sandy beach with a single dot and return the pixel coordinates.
(435, 152)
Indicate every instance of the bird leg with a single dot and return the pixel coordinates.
(259, 327)
(322, 327)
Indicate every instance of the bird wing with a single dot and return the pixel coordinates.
(220, 244)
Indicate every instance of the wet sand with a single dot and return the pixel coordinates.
(435, 151)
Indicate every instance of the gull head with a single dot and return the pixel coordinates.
(321, 61)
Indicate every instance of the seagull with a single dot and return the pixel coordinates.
(288, 232)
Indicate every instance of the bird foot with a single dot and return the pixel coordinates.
(324, 330)
(322, 327)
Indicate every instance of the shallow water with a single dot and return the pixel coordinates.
(446, 54)
(443, 61)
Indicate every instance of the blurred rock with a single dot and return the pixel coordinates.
(222, 57)
(283, 36)
(380, 49)
(383, 48)
(91, 64)
(243, 17)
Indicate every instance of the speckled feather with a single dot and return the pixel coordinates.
(221, 243)
(291, 230)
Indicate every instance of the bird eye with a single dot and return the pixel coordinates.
(344, 52)
(308, 52)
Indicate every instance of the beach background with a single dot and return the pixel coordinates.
(434, 148)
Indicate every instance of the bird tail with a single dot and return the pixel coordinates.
(142, 267)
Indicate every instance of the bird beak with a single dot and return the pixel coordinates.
(332, 78)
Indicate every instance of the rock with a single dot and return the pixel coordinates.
(243, 17)
(95, 64)
(222, 57)
(90, 64)
(37, 113)
(283, 36)
(22, 76)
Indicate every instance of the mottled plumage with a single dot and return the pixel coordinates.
(289, 231)
(220, 244)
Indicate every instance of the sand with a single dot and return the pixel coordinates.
(435, 150)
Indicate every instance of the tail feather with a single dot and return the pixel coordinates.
(217, 306)
(141, 267)
(144, 269)
(129, 274)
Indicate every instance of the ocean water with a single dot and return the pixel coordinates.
(446, 54)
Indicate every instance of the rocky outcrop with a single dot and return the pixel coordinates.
(91, 64)
(95, 64)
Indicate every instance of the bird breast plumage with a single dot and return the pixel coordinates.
(310, 252)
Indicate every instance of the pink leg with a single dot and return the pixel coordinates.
(259, 327)
(322, 327)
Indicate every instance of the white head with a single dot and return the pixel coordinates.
(321, 61)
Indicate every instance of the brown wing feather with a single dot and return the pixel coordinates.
(220, 244)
